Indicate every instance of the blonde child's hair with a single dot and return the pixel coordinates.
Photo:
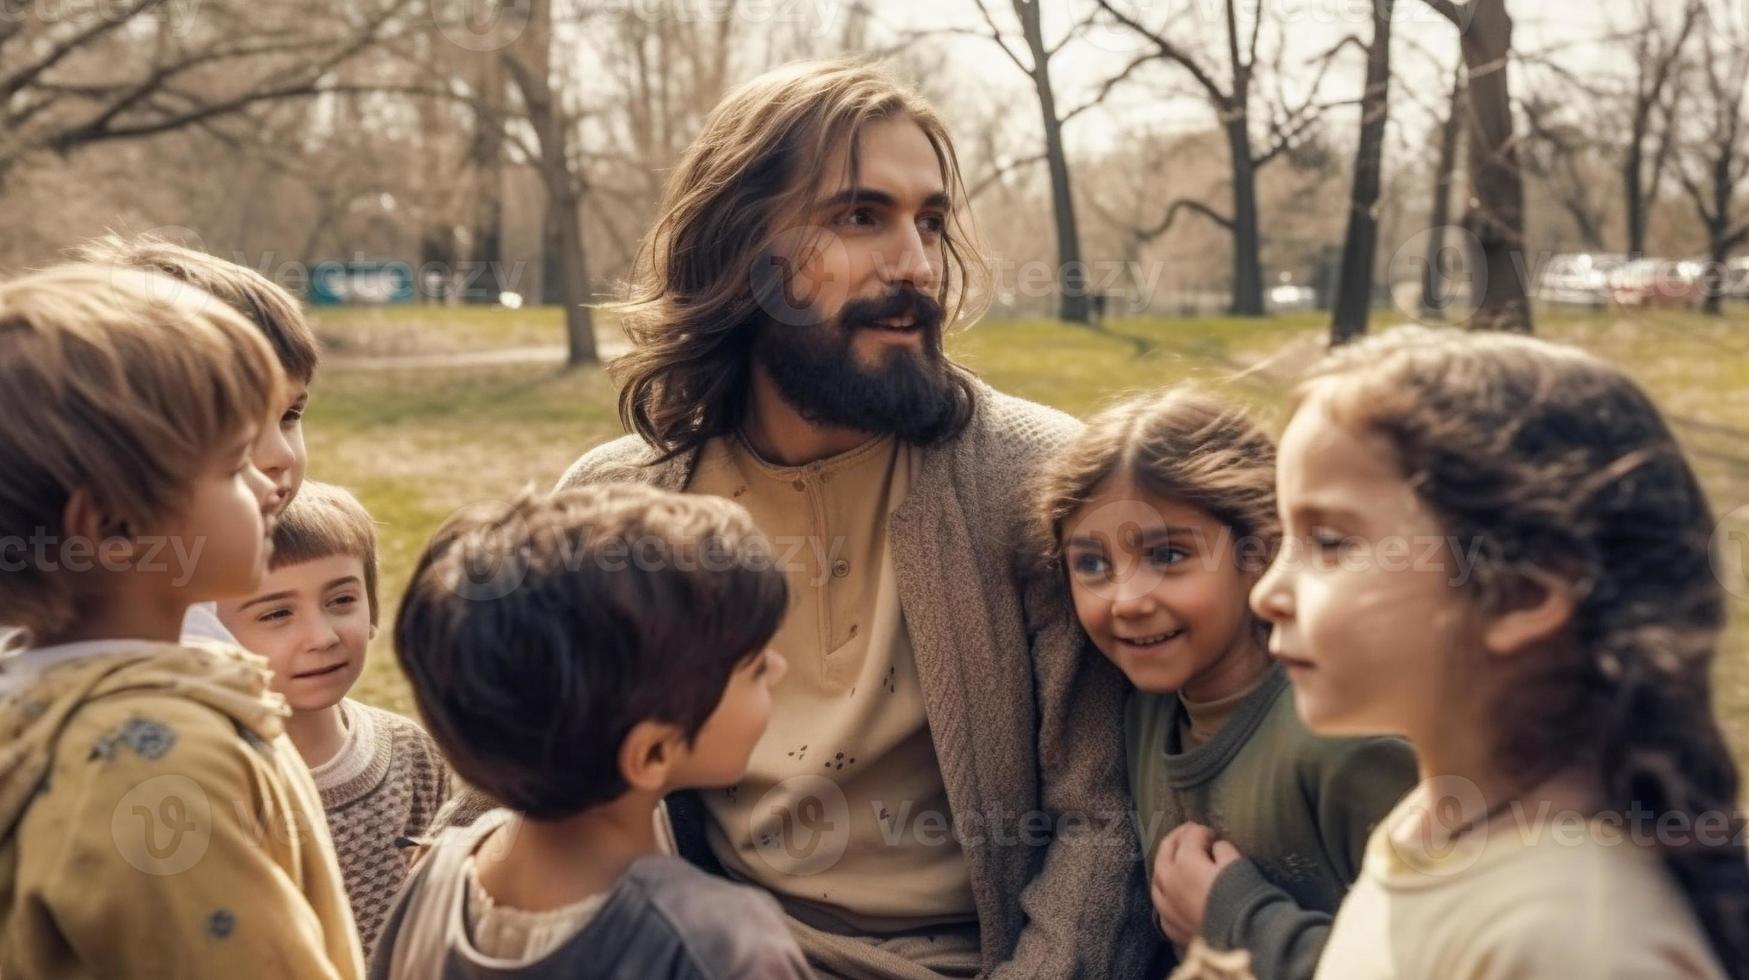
(274, 311)
(324, 521)
(122, 383)
(1180, 443)
(1554, 461)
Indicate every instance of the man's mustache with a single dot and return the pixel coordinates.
(864, 313)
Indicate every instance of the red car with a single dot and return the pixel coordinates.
(1656, 282)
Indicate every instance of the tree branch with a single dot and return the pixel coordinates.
(106, 22)
(993, 176)
(1109, 84)
(1182, 204)
(1458, 14)
(1172, 52)
(996, 35)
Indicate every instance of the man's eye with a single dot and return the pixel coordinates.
(933, 224)
(858, 216)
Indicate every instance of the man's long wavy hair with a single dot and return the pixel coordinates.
(693, 309)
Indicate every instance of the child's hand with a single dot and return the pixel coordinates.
(1184, 871)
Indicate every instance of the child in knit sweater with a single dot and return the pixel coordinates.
(153, 821)
(1162, 513)
(380, 776)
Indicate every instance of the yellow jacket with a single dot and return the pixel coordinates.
(155, 821)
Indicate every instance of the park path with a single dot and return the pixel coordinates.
(608, 345)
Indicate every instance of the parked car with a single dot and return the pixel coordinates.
(1737, 279)
(1580, 279)
(1656, 282)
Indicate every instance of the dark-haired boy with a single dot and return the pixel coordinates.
(577, 657)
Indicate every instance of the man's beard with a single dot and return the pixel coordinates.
(912, 393)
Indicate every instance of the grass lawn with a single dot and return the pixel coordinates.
(417, 444)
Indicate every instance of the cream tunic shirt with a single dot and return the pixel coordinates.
(843, 813)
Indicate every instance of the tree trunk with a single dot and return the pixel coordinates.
(1073, 302)
(529, 63)
(1433, 298)
(1719, 252)
(1496, 214)
(1634, 196)
(551, 268)
(1360, 244)
(483, 283)
(1247, 243)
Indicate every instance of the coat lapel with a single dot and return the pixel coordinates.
(935, 565)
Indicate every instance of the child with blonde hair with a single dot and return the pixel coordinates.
(1496, 548)
(278, 451)
(153, 821)
(1161, 515)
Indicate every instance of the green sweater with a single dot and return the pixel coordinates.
(1299, 808)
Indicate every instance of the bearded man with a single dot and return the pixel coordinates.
(940, 790)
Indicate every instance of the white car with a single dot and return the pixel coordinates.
(1581, 279)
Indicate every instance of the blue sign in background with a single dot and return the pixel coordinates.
(344, 283)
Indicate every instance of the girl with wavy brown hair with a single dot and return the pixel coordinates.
(1495, 547)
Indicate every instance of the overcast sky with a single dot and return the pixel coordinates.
(1425, 46)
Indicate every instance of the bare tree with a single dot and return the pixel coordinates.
(74, 75)
(1560, 152)
(1715, 160)
(1496, 213)
(1433, 298)
(529, 62)
(1360, 243)
(486, 163)
(1074, 303)
(1656, 51)
(1234, 106)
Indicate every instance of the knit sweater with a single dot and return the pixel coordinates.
(1025, 723)
(1298, 807)
(387, 782)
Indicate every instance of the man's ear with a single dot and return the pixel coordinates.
(649, 755)
(1533, 606)
(110, 536)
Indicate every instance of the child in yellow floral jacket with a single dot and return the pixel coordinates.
(153, 819)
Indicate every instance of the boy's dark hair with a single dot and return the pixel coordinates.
(322, 521)
(536, 634)
(266, 304)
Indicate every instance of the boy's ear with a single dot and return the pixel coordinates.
(86, 517)
(1533, 606)
(649, 755)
